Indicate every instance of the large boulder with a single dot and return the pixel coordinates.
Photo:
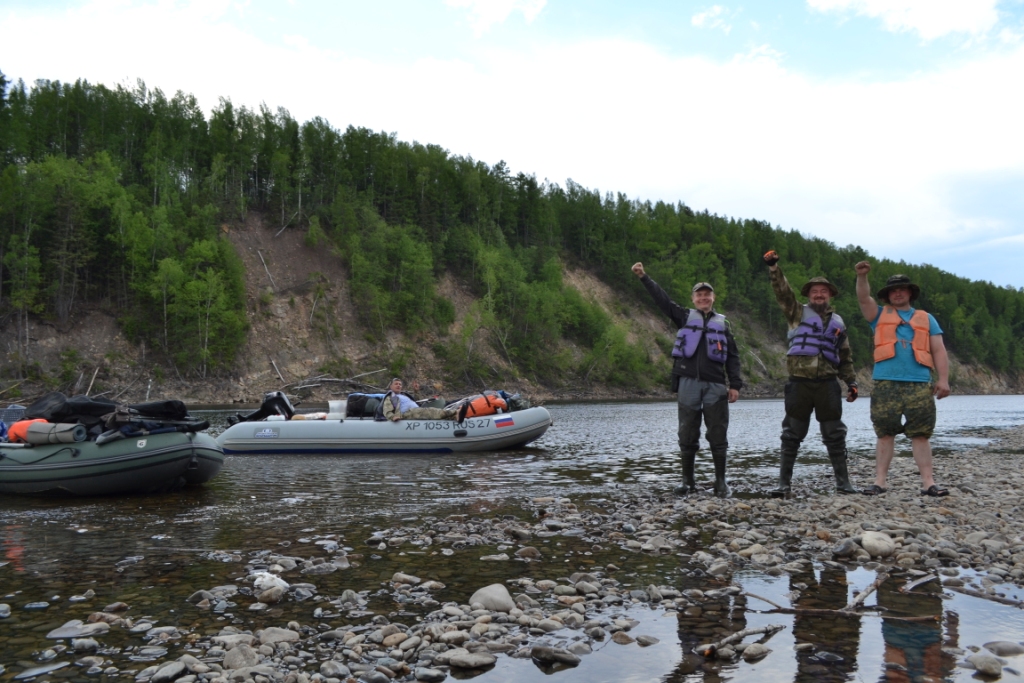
(877, 544)
(495, 598)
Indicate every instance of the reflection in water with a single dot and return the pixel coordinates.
(834, 637)
(913, 649)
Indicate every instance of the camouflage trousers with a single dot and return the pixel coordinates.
(891, 401)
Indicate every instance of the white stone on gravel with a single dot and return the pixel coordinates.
(274, 635)
(240, 657)
(495, 598)
(877, 544)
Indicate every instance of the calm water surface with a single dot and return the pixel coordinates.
(152, 552)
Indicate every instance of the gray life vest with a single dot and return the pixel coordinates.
(811, 337)
(713, 330)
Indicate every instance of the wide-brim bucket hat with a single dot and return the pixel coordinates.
(819, 281)
(895, 281)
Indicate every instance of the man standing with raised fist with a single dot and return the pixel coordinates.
(819, 355)
(705, 376)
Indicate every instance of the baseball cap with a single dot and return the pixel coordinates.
(702, 285)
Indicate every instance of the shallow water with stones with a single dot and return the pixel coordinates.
(152, 552)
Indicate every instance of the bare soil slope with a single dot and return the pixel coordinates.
(303, 324)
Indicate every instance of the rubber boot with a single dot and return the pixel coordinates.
(689, 484)
(721, 487)
(786, 461)
(843, 484)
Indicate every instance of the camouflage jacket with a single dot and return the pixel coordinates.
(810, 367)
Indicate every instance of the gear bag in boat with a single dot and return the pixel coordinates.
(487, 403)
(362, 405)
(58, 408)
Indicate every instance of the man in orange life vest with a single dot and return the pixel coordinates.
(908, 346)
(819, 353)
(705, 357)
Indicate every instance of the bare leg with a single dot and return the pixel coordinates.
(885, 447)
(922, 448)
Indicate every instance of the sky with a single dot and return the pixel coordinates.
(895, 125)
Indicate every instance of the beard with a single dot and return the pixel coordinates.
(818, 308)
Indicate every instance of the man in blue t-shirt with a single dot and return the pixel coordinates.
(908, 346)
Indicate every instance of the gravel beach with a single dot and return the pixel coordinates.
(553, 615)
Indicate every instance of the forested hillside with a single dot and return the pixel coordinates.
(119, 198)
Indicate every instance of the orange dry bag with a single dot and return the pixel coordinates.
(18, 433)
(486, 405)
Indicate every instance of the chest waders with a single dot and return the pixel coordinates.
(699, 399)
(822, 397)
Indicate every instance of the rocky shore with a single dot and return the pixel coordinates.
(971, 541)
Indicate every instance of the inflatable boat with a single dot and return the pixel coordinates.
(149, 448)
(145, 464)
(276, 429)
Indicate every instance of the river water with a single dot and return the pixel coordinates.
(154, 551)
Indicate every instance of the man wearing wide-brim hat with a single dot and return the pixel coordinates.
(908, 346)
(819, 356)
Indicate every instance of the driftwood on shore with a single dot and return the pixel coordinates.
(844, 612)
(859, 600)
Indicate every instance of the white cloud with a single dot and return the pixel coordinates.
(485, 13)
(929, 18)
(713, 17)
(853, 162)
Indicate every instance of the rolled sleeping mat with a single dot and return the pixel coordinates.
(42, 433)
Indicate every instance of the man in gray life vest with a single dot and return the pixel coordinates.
(705, 358)
(819, 353)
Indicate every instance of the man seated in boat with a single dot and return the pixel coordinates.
(398, 405)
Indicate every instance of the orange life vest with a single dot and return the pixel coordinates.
(486, 405)
(886, 340)
(18, 433)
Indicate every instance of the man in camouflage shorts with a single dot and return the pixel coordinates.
(908, 346)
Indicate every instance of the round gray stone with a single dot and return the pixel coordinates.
(553, 655)
(473, 660)
(495, 598)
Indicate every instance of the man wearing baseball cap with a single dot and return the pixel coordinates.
(705, 360)
(908, 346)
(819, 353)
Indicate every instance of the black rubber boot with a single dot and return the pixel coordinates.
(689, 484)
(721, 487)
(786, 461)
(843, 484)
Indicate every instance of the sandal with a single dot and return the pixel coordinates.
(935, 492)
(874, 490)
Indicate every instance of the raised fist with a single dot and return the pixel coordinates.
(771, 257)
(638, 269)
(862, 268)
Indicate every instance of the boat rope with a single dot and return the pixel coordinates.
(74, 454)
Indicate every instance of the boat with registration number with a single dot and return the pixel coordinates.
(276, 429)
